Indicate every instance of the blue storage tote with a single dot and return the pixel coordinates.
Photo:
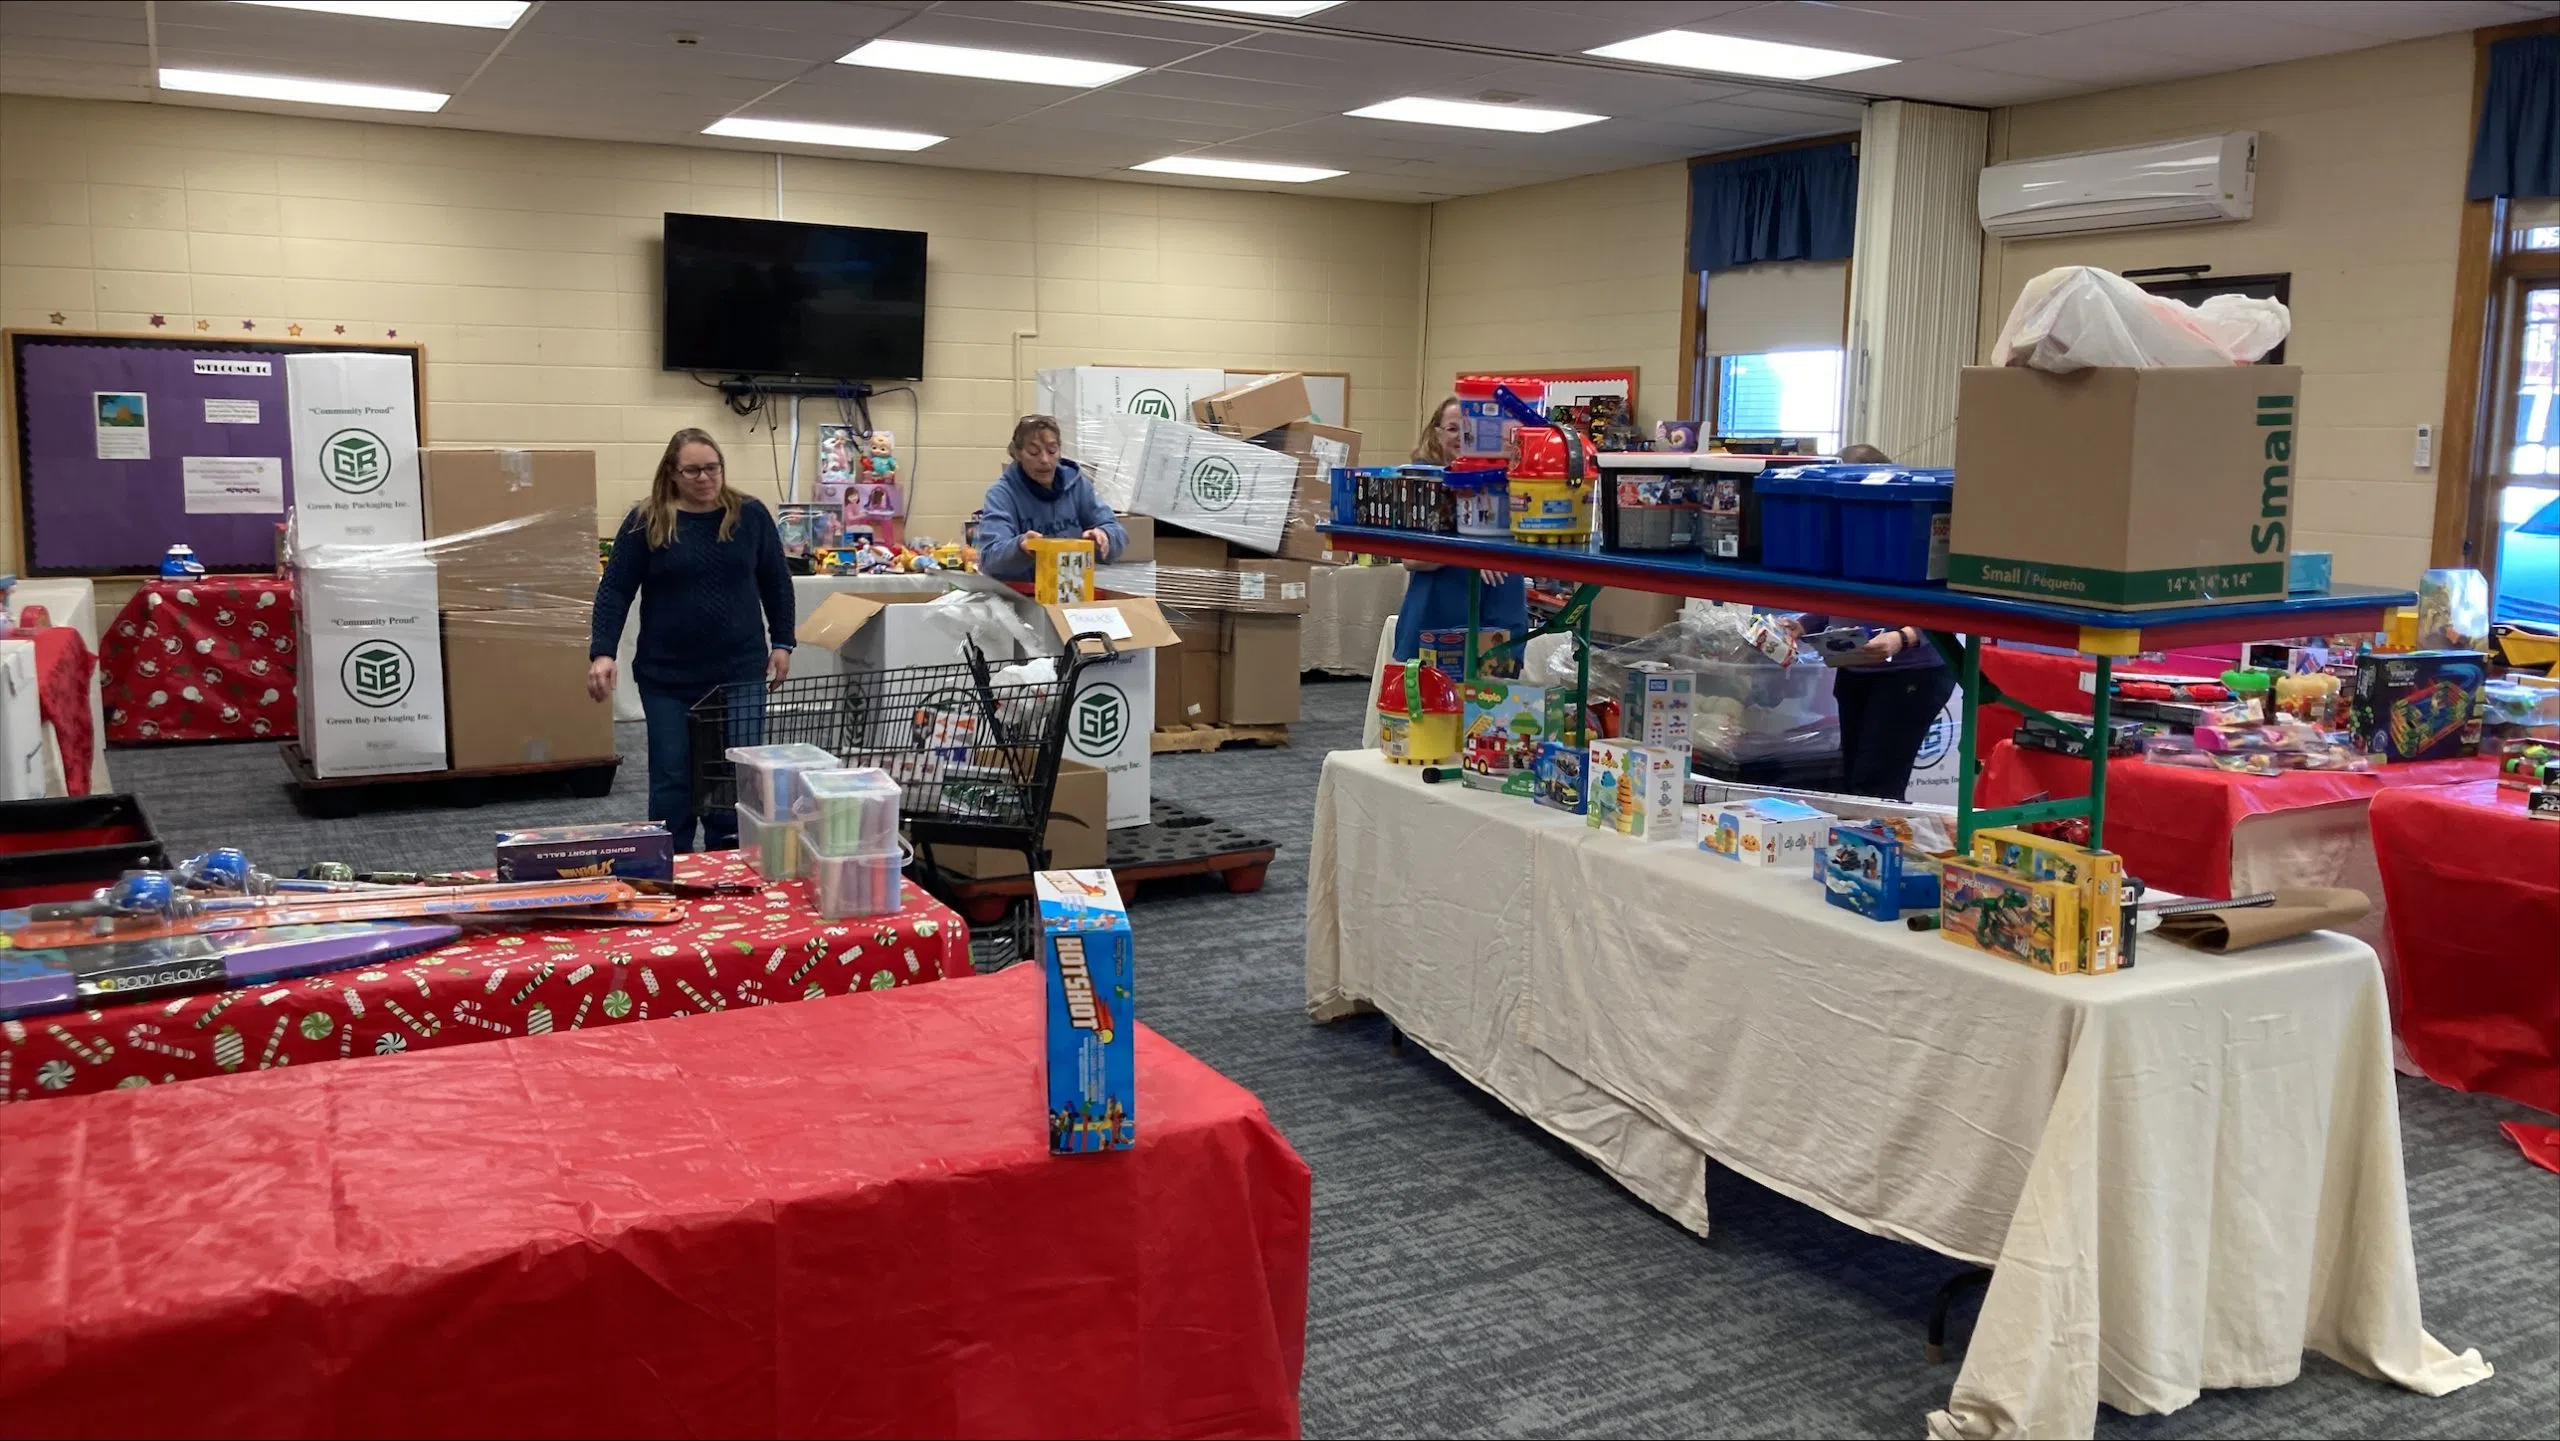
(1799, 519)
(1893, 523)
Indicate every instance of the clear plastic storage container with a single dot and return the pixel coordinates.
(849, 812)
(850, 886)
(768, 776)
(775, 848)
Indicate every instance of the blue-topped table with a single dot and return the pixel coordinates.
(1957, 622)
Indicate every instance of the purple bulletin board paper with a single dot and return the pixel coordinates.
(87, 516)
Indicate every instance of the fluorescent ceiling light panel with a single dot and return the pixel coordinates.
(801, 132)
(1524, 119)
(480, 14)
(1237, 169)
(1282, 9)
(1729, 55)
(301, 92)
(973, 64)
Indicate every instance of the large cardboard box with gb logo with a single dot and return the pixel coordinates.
(1111, 717)
(372, 667)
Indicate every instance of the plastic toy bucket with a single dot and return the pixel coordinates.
(1799, 521)
(1893, 525)
(1418, 715)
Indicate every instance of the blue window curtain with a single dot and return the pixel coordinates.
(1786, 205)
(2517, 153)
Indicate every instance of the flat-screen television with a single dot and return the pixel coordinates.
(775, 297)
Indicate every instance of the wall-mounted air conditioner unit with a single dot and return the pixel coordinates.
(2179, 182)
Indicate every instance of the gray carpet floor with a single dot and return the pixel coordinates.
(1471, 1277)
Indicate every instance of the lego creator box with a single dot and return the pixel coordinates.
(1561, 776)
(639, 851)
(1505, 723)
(1764, 832)
(2003, 914)
(2097, 880)
(1635, 789)
(2419, 706)
(1865, 869)
(1092, 1048)
(1659, 700)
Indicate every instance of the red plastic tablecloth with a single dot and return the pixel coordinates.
(204, 659)
(731, 951)
(2173, 824)
(826, 1220)
(2473, 889)
(64, 672)
(2048, 682)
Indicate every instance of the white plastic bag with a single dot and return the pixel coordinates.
(2079, 316)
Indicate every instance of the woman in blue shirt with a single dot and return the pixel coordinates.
(1435, 596)
(719, 614)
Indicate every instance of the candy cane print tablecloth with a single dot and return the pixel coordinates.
(208, 658)
(728, 952)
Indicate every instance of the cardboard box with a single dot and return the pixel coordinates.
(1198, 573)
(1764, 832)
(1318, 449)
(1142, 541)
(1115, 700)
(2125, 489)
(639, 850)
(1264, 403)
(1210, 484)
(1078, 835)
(354, 425)
(1261, 682)
(372, 663)
(1191, 679)
(1865, 869)
(1089, 958)
(1636, 789)
(1505, 721)
(1632, 614)
(511, 529)
(516, 689)
(2011, 916)
(1100, 390)
(1562, 771)
(2419, 705)
(884, 632)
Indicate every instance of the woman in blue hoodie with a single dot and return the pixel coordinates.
(1041, 494)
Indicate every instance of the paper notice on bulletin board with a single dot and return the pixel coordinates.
(230, 412)
(124, 425)
(234, 484)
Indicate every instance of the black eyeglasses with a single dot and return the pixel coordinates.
(697, 472)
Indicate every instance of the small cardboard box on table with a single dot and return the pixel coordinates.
(2124, 489)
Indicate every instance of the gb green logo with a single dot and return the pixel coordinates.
(1100, 722)
(1215, 483)
(355, 461)
(1152, 402)
(377, 673)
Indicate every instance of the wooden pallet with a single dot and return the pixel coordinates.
(1184, 739)
(1177, 841)
(338, 797)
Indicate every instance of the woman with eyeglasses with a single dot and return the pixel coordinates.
(1041, 494)
(719, 614)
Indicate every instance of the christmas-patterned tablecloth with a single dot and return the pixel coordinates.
(205, 659)
(731, 951)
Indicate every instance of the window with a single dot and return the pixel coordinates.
(1780, 393)
(2529, 479)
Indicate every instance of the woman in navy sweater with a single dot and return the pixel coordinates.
(719, 614)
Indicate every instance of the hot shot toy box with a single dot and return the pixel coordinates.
(1087, 952)
(1764, 832)
(1635, 789)
(640, 851)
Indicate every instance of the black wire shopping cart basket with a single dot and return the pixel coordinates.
(975, 757)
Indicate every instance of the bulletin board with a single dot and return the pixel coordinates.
(103, 485)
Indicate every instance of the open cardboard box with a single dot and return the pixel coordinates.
(1078, 836)
(1112, 714)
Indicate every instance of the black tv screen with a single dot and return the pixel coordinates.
(774, 297)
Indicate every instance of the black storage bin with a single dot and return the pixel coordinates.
(63, 848)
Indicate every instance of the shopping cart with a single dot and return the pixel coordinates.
(975, 757)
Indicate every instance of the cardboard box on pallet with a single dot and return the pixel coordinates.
(1191, 677)
(1078, 835)
(371, 661)
(1264, 403)
(516, 689)
(1319, 450)
(1261, 682)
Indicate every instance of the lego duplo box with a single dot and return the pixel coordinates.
(1562, 773)
(1764, 831)
(1635, 789)
(1088, 955)
(1505, 723)
(1658, 703)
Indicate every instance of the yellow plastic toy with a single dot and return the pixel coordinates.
(1062, 570)
(1418, 714)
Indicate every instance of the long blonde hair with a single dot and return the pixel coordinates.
(661, 504)
(1427, 450)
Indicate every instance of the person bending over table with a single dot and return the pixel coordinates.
(1888, 703)
(1435, 596)
(1041, 494)
(719, 616)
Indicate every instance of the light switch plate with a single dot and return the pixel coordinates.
(2425, 455)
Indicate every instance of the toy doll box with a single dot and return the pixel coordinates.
(1506, 722)
(1764, 832)
(1635, 789)
(1087, 953)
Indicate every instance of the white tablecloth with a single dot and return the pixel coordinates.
(2210, 1146)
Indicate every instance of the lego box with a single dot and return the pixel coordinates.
(1561, 775)
(2004, 914)
(1087, 953)
(1506, 722)
(634, 850)
(1659, 700)
(1635, 789)
(1865, 869)
(1764, 832)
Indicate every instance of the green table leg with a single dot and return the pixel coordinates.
(1968, 756)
